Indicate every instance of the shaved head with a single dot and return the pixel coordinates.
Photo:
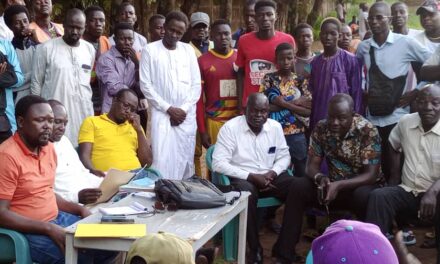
(257, 98)
(428, 106)
(257, 111)
(383, 6)
(342, 98)
(340, 114)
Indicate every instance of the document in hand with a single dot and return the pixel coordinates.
(110, 185)
(111, 230)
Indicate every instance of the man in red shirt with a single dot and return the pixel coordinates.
(256, 51)
(218, 84)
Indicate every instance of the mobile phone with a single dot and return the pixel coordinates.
(116, 219)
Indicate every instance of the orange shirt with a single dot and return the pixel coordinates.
(26, 179)
(42, 36)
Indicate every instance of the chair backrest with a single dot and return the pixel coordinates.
(208, 157)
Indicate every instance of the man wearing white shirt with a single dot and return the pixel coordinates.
(73, 181)
(252, 151)
(170, 79)
(403, 50)
(5, 32)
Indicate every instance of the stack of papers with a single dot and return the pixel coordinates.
(135, 208)
(110, 230)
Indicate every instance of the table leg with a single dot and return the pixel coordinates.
(242, 235)
(71, 251)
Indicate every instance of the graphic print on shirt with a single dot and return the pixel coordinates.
(259, 68)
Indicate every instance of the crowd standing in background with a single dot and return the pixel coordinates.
(354, 126)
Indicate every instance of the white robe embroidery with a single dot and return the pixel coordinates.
(171, 78)
(62, 72)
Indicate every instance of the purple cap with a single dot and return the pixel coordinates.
(347, 241)
(432, 6)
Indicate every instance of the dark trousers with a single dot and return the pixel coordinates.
(384, 133)
(304, 195)
(283, 248)
(298, 153)
(385, 203)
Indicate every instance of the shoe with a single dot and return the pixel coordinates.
(409, 238)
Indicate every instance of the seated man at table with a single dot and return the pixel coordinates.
(350, 145)
(252, 151)
(28, 203)
(115, 140)
(415, 188)
(73, 182)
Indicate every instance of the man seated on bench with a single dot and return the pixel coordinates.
(413, 190)
(115, 140)
(252, 151)
(28, 203)
(350, 145)
(73, 181)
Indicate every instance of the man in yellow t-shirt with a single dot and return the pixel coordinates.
(115, 140)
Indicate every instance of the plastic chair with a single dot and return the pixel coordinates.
(14, 247)
(230, 231)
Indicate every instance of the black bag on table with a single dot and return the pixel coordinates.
(192, 193)
(383, 93)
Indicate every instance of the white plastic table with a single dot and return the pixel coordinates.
(196, 226)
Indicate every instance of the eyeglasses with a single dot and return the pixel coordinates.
(127, 106)
(377, 17)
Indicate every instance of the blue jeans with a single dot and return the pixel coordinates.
(44, 250)
(298, 152)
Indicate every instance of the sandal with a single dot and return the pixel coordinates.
(428, 243)
(409, 238)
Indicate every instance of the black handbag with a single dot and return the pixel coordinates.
(383, 93)
(192, 193)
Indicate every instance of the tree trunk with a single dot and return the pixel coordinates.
(226, 10)
(316, 11)
(292, 17)
(281, 22)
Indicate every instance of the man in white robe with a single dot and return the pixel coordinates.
(170, 80)
(62, 69)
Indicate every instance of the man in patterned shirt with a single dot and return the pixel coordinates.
(350, 144)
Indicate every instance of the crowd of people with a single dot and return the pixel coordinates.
(354, 126)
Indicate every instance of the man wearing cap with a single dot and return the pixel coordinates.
(200, 33)
(415, 188)
(201, 44)
(352, 242)
(160, 248)
(430, 20)
(385, 109)
(170, 80)
(350, 145)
